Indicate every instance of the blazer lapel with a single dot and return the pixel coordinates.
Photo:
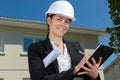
(48, 48)
(73, 53)
(56, 66)
(70, 51)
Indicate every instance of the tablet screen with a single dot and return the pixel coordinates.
(101, 51)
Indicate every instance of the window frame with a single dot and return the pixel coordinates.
(26, 79)
(32, 36)
(1, 44)
(1, 78)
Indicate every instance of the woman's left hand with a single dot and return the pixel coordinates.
(92, 69)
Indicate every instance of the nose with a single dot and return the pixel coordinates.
(63, 23)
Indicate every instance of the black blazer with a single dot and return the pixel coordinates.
(38, 51)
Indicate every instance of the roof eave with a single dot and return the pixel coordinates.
(42, 25)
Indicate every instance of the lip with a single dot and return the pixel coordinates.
(61, 29)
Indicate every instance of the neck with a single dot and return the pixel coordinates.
(57, 40)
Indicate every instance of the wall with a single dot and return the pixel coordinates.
(14, 65)
(112, 72)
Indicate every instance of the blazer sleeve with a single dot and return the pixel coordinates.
(78, 47)
(37, 70)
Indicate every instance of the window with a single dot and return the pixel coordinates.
(1, 42)
(27, 42)
(1, 79)
(26, 79)
(28, 39)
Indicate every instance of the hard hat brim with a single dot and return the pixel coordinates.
(72, 19)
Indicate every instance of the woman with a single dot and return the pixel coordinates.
(70, 61)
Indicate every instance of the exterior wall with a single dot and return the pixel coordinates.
(13, 60)
(112, 72)
(14, 65)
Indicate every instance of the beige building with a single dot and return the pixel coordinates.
(17, 34)
(112, 71)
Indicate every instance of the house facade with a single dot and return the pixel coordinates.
(112, 71)
(17, 34)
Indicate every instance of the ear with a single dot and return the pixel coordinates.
(48, 20)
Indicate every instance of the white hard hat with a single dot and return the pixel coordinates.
(62, 7)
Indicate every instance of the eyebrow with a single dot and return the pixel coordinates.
(64, 17)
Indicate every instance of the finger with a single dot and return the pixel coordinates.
(89, 64)
(93, 61)
(81, 73)
(99, 61)
(86, 56)
(86, 68)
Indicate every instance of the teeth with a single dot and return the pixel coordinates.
(62, 29)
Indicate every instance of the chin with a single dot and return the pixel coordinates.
(61, 35)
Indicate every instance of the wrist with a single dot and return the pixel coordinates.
(97, 78)
(75, 70)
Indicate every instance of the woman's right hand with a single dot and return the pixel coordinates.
(81, 63)
(91, 70)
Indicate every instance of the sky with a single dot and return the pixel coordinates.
(94, 14)
(88, 13)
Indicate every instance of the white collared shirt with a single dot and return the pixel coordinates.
(64, 60)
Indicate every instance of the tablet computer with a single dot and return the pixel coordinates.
(101, 51)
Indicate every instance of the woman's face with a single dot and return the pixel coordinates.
(58, 25)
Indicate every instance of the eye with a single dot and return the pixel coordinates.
(59, 19)
(68, 21)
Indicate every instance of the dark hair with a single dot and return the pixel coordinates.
(49, 15)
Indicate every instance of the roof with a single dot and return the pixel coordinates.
(112, 63)
(10, 21)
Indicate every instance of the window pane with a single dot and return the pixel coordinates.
(27, 42)
(26, 79)
(0, 43)
(37, 40)
(1, 79)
